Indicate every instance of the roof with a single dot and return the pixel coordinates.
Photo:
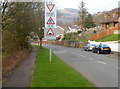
(74, 27)
(59, 30)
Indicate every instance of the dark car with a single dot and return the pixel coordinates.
(102, 48)
(89, 47)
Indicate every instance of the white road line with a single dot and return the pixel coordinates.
(101, 62)
(117, 67)
(82, 55)
(90, 58)
(57, 52)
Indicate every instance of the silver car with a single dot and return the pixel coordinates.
(89, 47)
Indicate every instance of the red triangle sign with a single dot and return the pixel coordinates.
(50, 21)
(50, 32)
(50, 7)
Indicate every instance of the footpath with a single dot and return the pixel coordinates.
(21, 76)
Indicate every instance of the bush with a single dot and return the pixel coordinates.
(79, 32)
(94, 31)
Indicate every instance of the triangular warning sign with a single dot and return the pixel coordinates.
(50, 7)
(50, 21)
(50, 32)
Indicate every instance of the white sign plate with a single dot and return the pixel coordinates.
(50, 21)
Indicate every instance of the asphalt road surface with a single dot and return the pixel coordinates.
(100, 69)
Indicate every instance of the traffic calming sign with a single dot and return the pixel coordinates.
(50, 7)
(50, 21)
(50, 32)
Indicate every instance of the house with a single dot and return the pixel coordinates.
(74, 28)
(107, 19)
(60, 32)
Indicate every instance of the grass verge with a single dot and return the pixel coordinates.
(57, 74)
(113, 37)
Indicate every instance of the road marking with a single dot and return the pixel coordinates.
(90, 58)
(58, 52)
(117, 67)
(101, 62)
(82, 55)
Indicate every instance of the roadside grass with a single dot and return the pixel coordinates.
(113, 37)
(56, 74)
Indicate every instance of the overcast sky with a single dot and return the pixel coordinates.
(93, 6)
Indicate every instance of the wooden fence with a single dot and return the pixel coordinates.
(103, 34)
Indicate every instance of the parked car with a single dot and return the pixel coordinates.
(102, 48)
(89, 47)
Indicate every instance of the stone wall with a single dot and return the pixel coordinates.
(75, 44)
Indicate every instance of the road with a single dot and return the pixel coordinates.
(100, 69)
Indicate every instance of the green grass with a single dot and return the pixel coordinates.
(89, 35)
(113, 37)
(57, 74)
(81, 40)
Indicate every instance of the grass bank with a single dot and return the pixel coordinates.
(113, 37)
(57, 74)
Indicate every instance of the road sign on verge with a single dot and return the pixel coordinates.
(50, 32)
(50, 7)
(50, 21)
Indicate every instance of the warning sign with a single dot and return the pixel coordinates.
(50, 21)
(50, 7)
(50, 32)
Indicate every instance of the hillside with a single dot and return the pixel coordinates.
(66, 15)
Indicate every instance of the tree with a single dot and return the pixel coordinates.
(89, 21)
(85, 18)
(19, 19)
(39, 20)
(82, 13)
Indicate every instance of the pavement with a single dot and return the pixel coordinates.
(99, 69)
(21, 76)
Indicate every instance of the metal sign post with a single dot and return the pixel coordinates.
(50, 23)
(50, 52)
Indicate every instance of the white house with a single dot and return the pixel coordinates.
(74, 28)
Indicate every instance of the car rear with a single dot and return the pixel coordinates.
(105, 49)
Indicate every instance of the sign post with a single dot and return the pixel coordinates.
(50, 53)
(50, 23)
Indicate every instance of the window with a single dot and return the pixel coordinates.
(107, 16)
(115, 14)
